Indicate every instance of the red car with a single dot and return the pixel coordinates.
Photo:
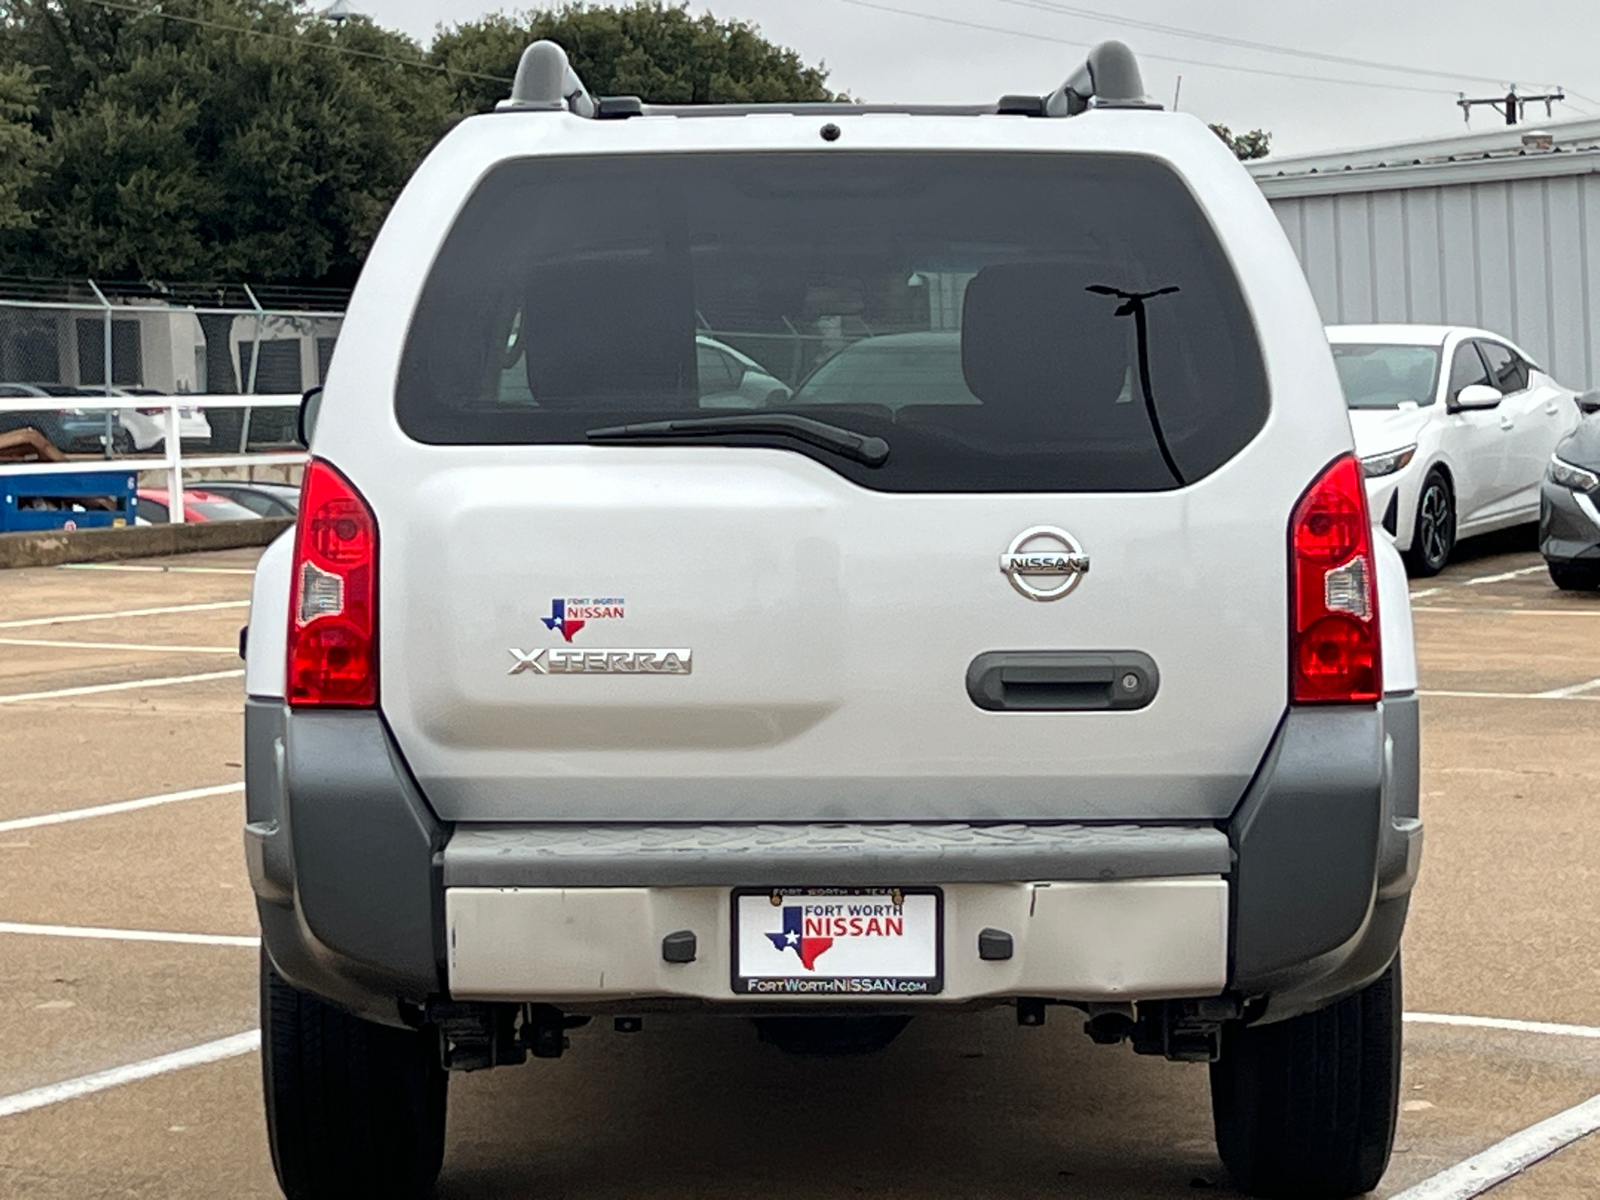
(155, 507)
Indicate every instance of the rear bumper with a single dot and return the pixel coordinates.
(577, 947)
(369, 900)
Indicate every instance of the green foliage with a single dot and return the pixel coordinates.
(21, 147)
(231, 144)
(651, 50)
(249, 139)
(1245, 146)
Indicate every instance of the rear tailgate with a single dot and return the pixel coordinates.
(831, 631)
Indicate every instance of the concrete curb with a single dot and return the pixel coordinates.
(47, 548)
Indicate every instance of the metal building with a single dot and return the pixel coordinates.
(1499, 230)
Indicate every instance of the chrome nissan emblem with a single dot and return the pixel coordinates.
(1044, 563)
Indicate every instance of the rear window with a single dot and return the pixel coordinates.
(1003, 322)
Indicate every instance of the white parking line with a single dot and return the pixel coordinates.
(32, 622)
(127, 686)
(1478, 582)
(142, 647)
(1511, 1157)
(119, 806)
(1512, 612)
(1559, 694)
(1566, 693)
(157, 570)
(128, 935)
(1545, 1027)
(1501, 578)
(100, 1081)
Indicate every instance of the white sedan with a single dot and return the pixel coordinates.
(1455, 428)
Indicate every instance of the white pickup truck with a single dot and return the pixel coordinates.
(1025, 641)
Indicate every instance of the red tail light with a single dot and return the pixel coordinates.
(1335, 653)
(334, 595)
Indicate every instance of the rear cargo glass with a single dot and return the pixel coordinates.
(1006, 322)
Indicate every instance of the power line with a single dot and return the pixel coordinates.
(1194, 62)
(1243, 43)
(296, 39)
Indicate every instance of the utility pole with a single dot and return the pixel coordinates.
(1511, 106)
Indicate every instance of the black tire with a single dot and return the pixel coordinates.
(354, 1109)
(1574, 577)
(122, 443)
(1306, 1108)
(830, 1037)
(1433, 535)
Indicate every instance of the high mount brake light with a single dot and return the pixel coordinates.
(333, 605)
(1335, 651)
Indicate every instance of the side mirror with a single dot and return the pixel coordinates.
(1476, 396)
(1589, 402)
(310, 406)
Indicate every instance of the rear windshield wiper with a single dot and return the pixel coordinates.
(863, 448)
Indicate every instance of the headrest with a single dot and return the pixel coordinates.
(614, 331)
(1033, 337)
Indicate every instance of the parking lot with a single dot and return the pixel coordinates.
(127, 946)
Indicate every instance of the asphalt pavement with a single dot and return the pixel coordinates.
(128, 968)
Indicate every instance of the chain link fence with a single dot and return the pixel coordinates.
(139, 341)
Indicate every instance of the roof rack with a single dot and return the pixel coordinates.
(1108, 78)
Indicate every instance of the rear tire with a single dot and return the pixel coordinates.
(1433, 535)
(1306, 1108)
(354, 1109)
(1574, 577)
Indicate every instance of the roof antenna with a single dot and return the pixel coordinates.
(545, 79)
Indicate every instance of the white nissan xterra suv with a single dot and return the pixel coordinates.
(1022, 639)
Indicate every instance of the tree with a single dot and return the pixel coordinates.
(252, 140)
(220, 141)
(1245, 146)
(21, 147)
(655, 51)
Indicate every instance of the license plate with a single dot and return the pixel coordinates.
(838, 941)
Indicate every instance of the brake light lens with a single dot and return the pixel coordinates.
(334, 597)
(1335, 651)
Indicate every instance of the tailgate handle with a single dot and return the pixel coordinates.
(1062, 680)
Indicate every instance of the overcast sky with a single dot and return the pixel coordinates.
(1030, 46)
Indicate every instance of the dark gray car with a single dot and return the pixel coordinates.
(263, 499)
(74, 430)
(1569, 504)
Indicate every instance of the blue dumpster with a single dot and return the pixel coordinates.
(107, 498)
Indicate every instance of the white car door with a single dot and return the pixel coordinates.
(1473, 441)
(1530, 417)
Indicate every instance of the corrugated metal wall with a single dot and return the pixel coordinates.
(1519, 257)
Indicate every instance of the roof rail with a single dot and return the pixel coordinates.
(545, 79)
(1109, 76)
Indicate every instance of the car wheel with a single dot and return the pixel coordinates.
(354, 1109)
(1434, 534)
(122, 442)
(1574, 577)
(1306, 1108)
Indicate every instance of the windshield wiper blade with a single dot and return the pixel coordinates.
(863, 448)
